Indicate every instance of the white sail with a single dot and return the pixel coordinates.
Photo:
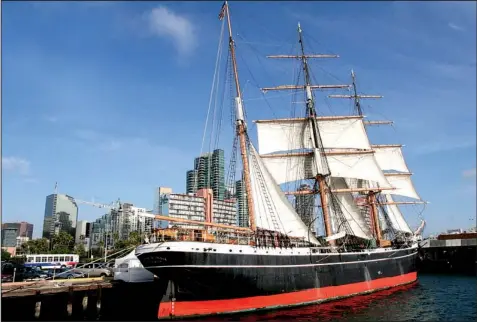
(402, 184)
(351, 212)
(293, 167)
(390, 158)
(345, 132)
(272, 209)
(395, 216)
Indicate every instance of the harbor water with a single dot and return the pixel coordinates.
(432, 298)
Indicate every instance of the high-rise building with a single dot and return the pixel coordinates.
(196, 207)
(9, 237)
(217, 181)
(192, 181)
(183, 206)
(61, 214)
(305, 206)
(224, 212)
(83, 229)
(208, 173)
(100, 232)
(229, 192)
(24, 229)
(242, 208)
(202, 165)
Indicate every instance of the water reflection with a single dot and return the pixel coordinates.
(371, 307)
(432, 298)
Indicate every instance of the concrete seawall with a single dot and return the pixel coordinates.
(451, 256)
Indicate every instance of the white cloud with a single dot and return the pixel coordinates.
(469, 173)
(165, 23)
(455, 27)
(15, 164)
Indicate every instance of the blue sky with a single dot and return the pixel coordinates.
(110, 98)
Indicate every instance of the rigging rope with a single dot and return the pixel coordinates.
(219, 55)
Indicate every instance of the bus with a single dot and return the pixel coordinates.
(46, 261)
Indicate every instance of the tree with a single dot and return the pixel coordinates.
(36, 246)
(101, 247)
(5, 255)
(62, 243)
(134, 239)
(80, 250)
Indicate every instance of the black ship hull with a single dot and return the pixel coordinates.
(209, 281)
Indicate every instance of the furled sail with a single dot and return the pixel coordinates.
(273, 211)
(351, 212)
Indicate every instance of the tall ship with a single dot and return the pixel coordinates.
(279, 258)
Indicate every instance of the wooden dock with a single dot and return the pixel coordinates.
(83, 299)
(52, 286)
(53, 299)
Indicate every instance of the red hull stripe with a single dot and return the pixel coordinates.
(194, 308)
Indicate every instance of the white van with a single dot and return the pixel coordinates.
(130, 270)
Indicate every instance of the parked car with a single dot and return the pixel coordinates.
(61, 273)
(12, 272)
(34, 273)
(7, 278)
(94, 270)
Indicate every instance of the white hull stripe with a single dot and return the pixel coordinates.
(277, 266)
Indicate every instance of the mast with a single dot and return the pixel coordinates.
(356, 96)
(371, 197)
(241, 126)
(311, 114)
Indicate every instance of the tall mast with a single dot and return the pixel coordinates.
(356, 97)
(357, 104)
(241, 126)
(311, 113)
(371, 197)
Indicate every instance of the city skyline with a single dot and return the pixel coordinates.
(69, 94)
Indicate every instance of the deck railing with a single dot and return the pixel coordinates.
(260, 239)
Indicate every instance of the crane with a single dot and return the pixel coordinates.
(113, 206)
